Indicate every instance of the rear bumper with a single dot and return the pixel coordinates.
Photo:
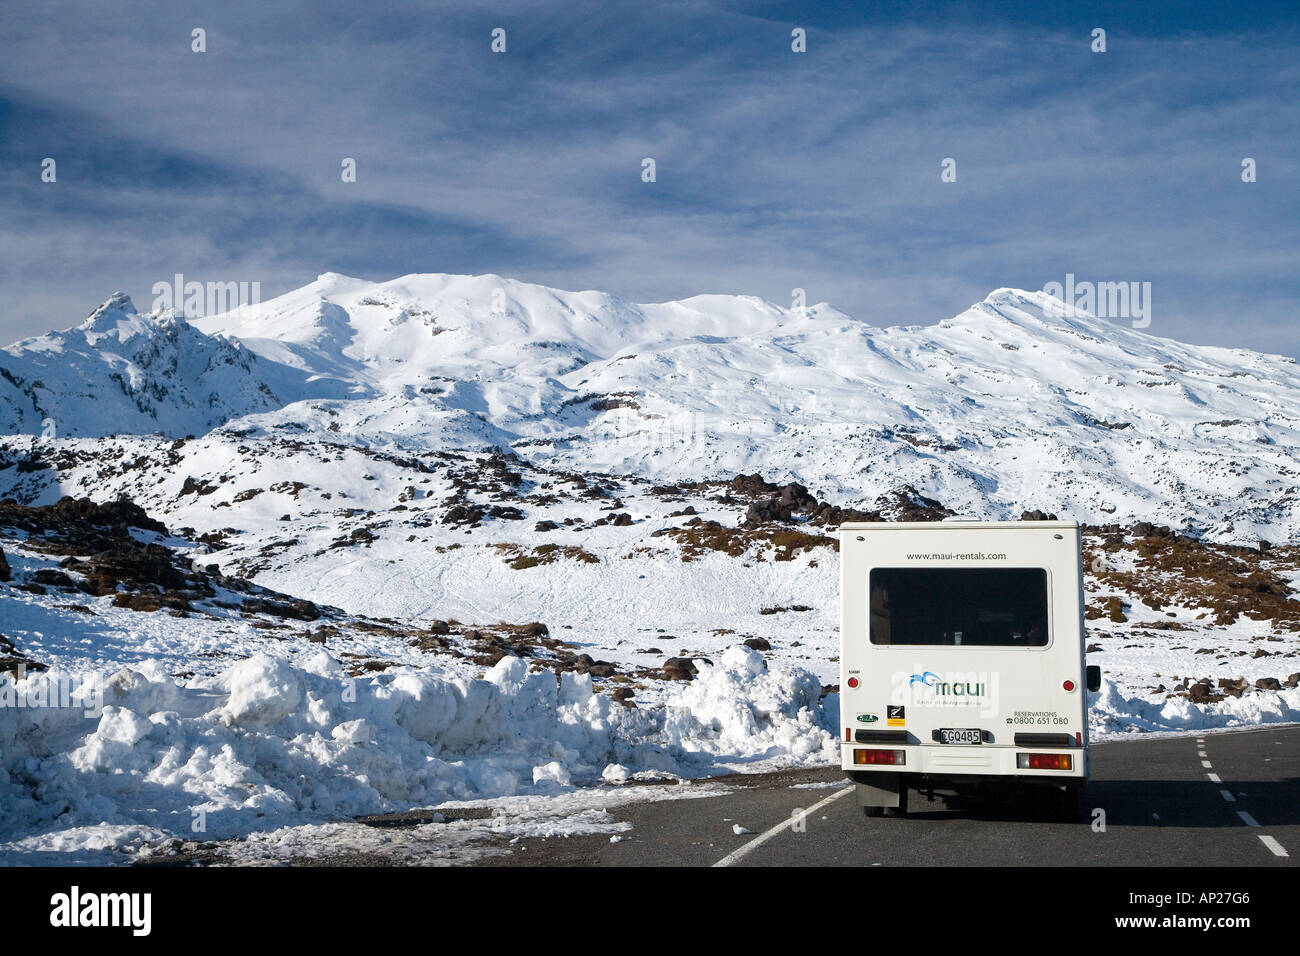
(984, 760)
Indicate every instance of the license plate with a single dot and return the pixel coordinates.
(961, 735)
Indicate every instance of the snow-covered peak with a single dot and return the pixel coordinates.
(117, 302)
(123, 372)
(117, 317)
(388, 336)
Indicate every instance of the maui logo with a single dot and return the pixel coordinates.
(966, 689)
(927, 689)
(942, 688)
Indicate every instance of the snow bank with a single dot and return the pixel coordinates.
(739, 707)
(140, 759)
(268, 744)
(1112, 714)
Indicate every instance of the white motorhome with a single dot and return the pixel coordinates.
(962, 659)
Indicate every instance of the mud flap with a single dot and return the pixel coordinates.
(885, 790)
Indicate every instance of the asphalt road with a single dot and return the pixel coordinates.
(1222, 799)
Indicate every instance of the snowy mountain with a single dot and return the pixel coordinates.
(1017, 403)
(123, 372)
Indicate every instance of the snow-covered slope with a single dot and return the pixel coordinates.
(123, 372)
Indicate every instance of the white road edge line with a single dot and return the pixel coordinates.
(1247, 819)
(742, 851)
(1277, 848)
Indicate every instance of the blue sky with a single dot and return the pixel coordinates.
(775, 170)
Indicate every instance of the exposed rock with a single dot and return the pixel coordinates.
(142, 601)
(202, 487)
(907, 504)
(765, 512)
(680, 668)
(1145, 529)
(295, 608)
(67, 516)
(53, 578)
(13, 660)
(463, 514)
(134, 567)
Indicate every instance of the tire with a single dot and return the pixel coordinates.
(873, 812)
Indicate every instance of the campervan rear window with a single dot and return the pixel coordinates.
(984, 607)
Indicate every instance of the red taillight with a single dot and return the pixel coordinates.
(1044, 761)
(1068, 685)
(894, 757)
(853, 682)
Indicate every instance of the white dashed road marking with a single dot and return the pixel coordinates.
(1277, 848)
(1274, 847)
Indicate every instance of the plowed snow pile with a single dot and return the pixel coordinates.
(1111, 713)
(266, 743)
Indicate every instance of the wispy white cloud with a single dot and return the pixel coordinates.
(775, 169)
